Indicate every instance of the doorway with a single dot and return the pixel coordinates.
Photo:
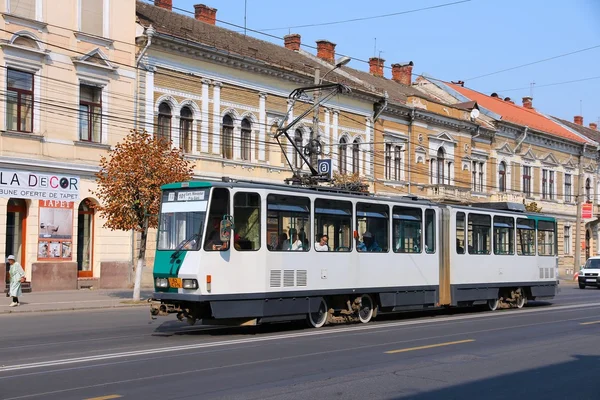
(16, 217)
(85, 240)
(587, 243)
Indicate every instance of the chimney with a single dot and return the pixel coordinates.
(205, 14)
(166, 4)
(528, 102)
(292, 41)
(326, 50)
(578, 119)
(593, 126)
(495, 95)
(376, 66)
(402, 73)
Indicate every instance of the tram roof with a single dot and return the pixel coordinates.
(484, 207)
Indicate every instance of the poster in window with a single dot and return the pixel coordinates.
(55, 230)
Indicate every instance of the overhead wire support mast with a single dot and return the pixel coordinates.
(299, 94)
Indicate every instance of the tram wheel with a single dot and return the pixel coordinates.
(319, 318)
(366, 308)
(522, 299)
(493, 304)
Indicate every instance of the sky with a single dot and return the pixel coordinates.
(455, 42)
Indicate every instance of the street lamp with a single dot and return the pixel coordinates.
(340, 63)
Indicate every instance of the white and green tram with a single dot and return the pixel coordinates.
(247, 253)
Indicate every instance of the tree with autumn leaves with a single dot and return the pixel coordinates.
(129, 184)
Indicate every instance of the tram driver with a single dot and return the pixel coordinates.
(369, 243)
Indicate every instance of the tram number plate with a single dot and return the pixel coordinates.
(591, 280)
(175, 283)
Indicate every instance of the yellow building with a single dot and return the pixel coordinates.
(67, 66)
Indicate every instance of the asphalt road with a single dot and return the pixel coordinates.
(545, 351)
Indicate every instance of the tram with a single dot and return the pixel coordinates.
(245, 253)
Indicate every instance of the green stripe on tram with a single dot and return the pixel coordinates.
(186, 185)
(166, 266)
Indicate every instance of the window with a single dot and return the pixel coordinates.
(23, 8)
(246, 140)
(90, 113)
(440, 166)
(479, 233)
(474, 176)
(19, 101)
(481, 178)
(588, 189)
(567, 241)
(544, 184)
(397, 163)
(372, 224)
(246, 217)
(502, 177)
(182, 219)
(477, 176)
(430, 231)
(551, 185)
(504, 235)
(164, 122)
(343, 156)
(334, 219)
(407, 227)
(85, 226)
(460, 233)
(388, 161)
(227, 136)
(393, 162)
(568, 187)
(219, 207)
(527, 181)
(298, 142)
(525, 237)
(92, 20)
(355, 156)
(288, 223)
(546, 231)
(185, 129)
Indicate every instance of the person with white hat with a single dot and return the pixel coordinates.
(17, 276)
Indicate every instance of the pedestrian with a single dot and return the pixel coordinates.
(17, 277)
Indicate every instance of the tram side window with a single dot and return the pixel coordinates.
(546, 238)
(480, 227)
(288, 223)
(372, 225)
(525, 237)
(219, 206)
(246, 218)
(504, 235)
(407, 227)
(460, 233)
(430, 231)
(333, 218)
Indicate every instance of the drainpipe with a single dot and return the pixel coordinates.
(410, 125)
(522, 139)
(577, 261)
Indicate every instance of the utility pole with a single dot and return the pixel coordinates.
(577, 263)
(315, 130)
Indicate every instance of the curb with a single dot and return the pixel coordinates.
(72, 309)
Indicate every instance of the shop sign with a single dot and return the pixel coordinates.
(55, 239)
(38, 186)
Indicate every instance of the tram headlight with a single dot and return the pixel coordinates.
(190, 284)
(162, 282)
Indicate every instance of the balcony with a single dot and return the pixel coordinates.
(448, 193)
(511, 197)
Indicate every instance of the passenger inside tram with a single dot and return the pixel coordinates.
(321, 244)
(369, 244)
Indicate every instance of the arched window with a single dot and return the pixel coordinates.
(16, 216)
(246, 139)
(588, 189)
(185, 129)
(502, 177)
(355, 156)
(343, 156)
(298, 143)
(164, 122)
(440, 165)
(25, 41)
(85, 229)
(227, 137)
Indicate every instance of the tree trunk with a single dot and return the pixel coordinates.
(140, 262)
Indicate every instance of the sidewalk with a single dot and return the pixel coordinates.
(68, 300)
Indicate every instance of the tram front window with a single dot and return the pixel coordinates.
(182, 219)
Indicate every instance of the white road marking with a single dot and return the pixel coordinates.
(110, 356)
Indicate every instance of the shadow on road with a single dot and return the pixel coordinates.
(128, 294)
(557, 381)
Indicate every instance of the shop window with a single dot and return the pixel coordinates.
(407, 227)
(246, 216)
(479, 229)
(525, 237)
(372, 224)
(288, 221)
(334, 219)
(85, 229)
